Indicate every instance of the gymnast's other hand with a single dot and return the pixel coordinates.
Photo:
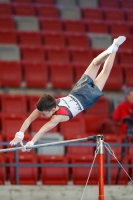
(28, 144)
(19, 136)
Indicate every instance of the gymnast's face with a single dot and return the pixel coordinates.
(47, 114)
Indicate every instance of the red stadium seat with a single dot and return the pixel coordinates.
(131, 24)
(114, 83)
(123, 179)
(57, 39)
(80, 174)
(114, 14)
(126, 57)
(47, 11)
(12, 122)
(5, 39)
(129, 15)
(112, 4)
(51, 24)
(119, 27)
(58, 54)
(36, 74)
(5, 9)
(24, 10)
(10, 74)
(9, 136)
(32, 100)
(79, 151)
(38, 123)
(78, 40)
(109, 126)
(27, 175)
(32, 53)
(79, 70)
(61, 75)
(100, 108)
(131, 161)
(45, 2)
(73, 128)
(93, 123)
(128, 71)
(29, 38)
(2, 171)
(74, 26)
(130, 151)
(92, 26)
(54, 175)
(82, 55)
(13, 103)
(7, 23)
(92, 13)
(2, 139)
(127, 4)
(110, 138)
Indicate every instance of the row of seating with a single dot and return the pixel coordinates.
(72, 55)
(81, 3)
(40, 10)
(58, 39)
(83, 124)
(70, 25)
(78, 127)
(16, 103)
(58, 175)
(51, 75)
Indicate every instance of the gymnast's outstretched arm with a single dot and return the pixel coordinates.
(20, 134)
(45, 128)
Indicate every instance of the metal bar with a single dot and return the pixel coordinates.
(50, 144)
(90, 144)
(61, 165)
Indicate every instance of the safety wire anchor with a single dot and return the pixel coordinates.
(96, 152)
(107, 146)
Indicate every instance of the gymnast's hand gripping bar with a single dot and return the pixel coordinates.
(51, 144)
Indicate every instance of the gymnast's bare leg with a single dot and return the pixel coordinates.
(93, 68)
(104, 74)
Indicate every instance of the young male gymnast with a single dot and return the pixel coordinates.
(85, 93)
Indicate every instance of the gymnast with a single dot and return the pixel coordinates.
(85, 94)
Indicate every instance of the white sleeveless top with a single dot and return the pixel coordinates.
(72, 104)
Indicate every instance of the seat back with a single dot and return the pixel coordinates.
(73, 13)
(27, 23)
(100, 41)
(52, 150)
(9, 52)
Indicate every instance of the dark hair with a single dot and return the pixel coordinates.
(46, 103)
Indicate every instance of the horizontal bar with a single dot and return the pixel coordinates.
(84, 144)
(50, 144)
(62, 165)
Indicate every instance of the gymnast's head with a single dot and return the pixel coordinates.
(46, 105)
